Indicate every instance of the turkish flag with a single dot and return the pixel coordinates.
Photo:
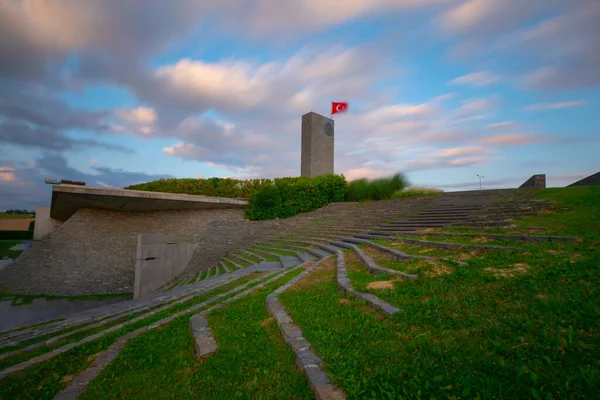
(338, 107)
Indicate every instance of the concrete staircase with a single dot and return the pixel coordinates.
(368, 232)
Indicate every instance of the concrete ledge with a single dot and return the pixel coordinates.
(159, 262)
(536, 182)
(67, 199)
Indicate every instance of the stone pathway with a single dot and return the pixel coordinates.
(45, 310)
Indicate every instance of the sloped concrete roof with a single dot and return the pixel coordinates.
(67, 199)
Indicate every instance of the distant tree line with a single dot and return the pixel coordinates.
(19, 212)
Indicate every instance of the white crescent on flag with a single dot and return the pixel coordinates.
(338, 107)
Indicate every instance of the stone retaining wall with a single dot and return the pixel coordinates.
(94, 251)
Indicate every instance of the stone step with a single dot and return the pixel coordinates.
(416, 225)
(287, 262)
(224, 266)
(286, 253)
(238, 259)
(312, 251)
(232, 262)
(305, 256)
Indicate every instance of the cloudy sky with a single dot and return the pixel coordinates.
(121, 92)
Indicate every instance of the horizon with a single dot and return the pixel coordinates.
(439, 90)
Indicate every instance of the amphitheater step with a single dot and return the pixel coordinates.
(268, 266)
(305, 256)
(288, 261)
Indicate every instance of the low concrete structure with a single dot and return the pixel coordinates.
(159, 262)
(67, 199)
(592, 180)
(44, 224)
(535, 182)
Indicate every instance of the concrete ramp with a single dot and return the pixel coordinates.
(592, 180)
(535, 182)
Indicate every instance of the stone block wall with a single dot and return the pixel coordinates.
(592, 180)
(94, 251)
(536, 181)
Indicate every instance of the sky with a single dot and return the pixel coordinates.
(122, 92)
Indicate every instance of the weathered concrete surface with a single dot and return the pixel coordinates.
(45, 310)
(67, 199)
(317, 145)
(592, 180)
(159, 262)
(536, 181)
(44, 225)
(94, 251)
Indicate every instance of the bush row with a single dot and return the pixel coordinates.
(376, 189)
(220, 187)
(285, 197)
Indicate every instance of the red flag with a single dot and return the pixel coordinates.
(338, 107)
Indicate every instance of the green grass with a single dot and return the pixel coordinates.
(247, 258)
(415, 192)
(44, 380)
(468, 331)
(244, 262)
(252, 361)
(265, 256)
(202, 276)
(229, 265)
(4, 215)
(6, 252)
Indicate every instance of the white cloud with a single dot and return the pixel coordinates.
(511, 139)
(502, 124)
(555, 106)
(308, 80)
(478, 79)
(273, 18)
(460, 152)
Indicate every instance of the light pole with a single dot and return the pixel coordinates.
(480, 177)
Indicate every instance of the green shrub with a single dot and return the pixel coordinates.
(16, 235)
(377, 189)
(31, 226)
(286, 197)
(219, 187)
(415, 192)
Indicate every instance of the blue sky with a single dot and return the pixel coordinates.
(116, 93)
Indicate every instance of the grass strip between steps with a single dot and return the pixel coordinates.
(252, 361)
(22, 328)
(45, 379)
(508, 325)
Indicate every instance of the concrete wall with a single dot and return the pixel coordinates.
(159, 262)
(44, 225)
(592, 180)
(94, 251)
(536, 181)
(317, 145)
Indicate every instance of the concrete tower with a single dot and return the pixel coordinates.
(317, 145)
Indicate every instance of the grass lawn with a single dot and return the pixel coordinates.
(4, 215)
(252, 361)
(509, 325)
(5, 250)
